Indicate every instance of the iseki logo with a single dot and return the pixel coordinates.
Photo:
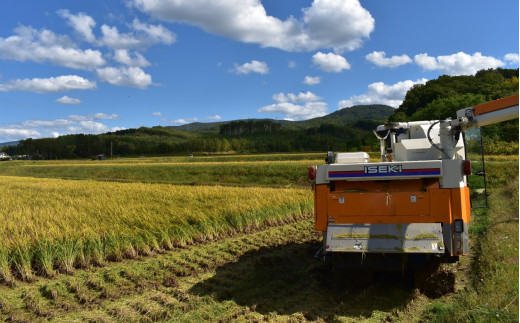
(383, 169)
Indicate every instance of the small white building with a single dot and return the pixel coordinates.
(3, 155)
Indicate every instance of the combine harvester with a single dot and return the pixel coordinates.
(413, 207)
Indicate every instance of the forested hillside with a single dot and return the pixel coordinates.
(348, 129)
(441, 98)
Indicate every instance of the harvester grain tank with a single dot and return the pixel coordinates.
(411, 207)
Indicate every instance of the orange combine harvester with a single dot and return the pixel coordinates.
(411, 208)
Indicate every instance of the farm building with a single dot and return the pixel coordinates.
(4, 156)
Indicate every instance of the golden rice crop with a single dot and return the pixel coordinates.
(54, 224)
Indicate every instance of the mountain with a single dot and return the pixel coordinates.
(10, 143)
(346, 116)
(342, 117)
(348, 129)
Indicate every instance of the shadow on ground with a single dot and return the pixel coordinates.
(288, 280)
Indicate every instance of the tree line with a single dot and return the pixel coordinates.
(437, 99)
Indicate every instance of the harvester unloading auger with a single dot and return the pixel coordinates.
(411, 208)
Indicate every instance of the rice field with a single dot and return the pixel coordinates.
(67, 226)
(241, 170)
(54, 225)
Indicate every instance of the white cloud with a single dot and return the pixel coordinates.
(147, 35)
(252, 67)
(11, 133)
(338, 24)
(285, 104)
(180, 121)
(95, 116)
(457, 64)
(122, 56)
(156, 114)
(312, 80)
(297, 112)
(216, 117)
(81, 22)
(29, 44)
(300, 97)
(125, 76)
(291, 64)
(92, 127)
(113, 39)
(380, 93)
(157, 33)
(58, 123)
(53, 84)
(67, 100)
(36, 128)
(380, 59)
(103, 116)
(511, 58)
(330, 62)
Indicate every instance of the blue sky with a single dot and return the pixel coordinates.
(98, 66)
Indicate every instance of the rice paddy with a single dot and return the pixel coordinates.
(211, 238)
(52, 224)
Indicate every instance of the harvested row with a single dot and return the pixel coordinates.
(265, 276)
(171, 285)
(54, 224)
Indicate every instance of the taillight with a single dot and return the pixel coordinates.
(466, 167)
(458, 226)
(312, 172)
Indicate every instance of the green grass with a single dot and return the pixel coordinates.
(492, 292)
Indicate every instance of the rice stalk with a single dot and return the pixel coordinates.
(45, 256)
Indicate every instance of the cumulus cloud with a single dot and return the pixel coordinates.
(338, 24)
(511, 58)
(113, 39)
(297, 112)
(57, 123)
(180, 121)
(252, 67)
(146, 36)
(12, 133)
(285, 104)
(300, 97)
(95, 116)
(156, 114)
(380, 59)
(67, 100)
(92, 127)
(35, 128)
(125, 76)
(312, 80)
(82, 23)
(216, 117)
(53, 84)
(330, 62)
(122, 56)
(156, 33)
(457, 64)
(103, 116)
(29, 44)
(380, 93)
